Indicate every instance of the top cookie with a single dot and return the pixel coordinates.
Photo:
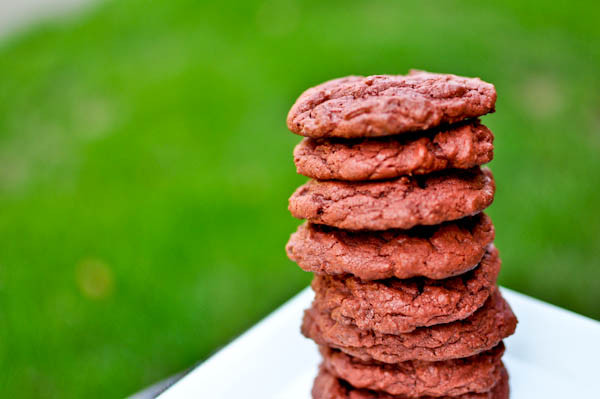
(383, 105)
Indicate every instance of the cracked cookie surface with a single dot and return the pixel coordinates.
(479, 373)
(395, 306)
(435, 252)
(395, 204)
(457, 147)
(326, 386)
(480, 332)
(382, 105)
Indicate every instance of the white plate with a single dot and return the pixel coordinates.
(554, 354)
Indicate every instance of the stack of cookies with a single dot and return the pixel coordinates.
(406, 303)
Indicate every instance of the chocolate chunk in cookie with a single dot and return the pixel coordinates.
(395, 306)
(395, 204)
(478, 374)
(382, 105)
(436, 252)
(457, 147)
(480, 332)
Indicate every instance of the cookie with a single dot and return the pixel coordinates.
(382, 105)
(326, 386)
(435, 252)
(395, 204)
(457, 147)
(480, 332)
(400, 306)
(479, 373)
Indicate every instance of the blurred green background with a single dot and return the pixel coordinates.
(145, 167)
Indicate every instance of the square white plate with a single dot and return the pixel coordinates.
(554, 354)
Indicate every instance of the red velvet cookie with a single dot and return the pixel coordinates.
(395, 204)
(326, 386)
(395, 306)
(479, 374)
(456, 147)
(435, 252)
(383, 105)
(480, 332)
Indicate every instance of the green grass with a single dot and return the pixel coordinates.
(145, 168)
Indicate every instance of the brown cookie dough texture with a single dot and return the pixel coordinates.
(457, 147)
(383, 105)
(394, 306)
(480, 332)
(395, 204)
(435, 252)
(326, 386)
(478, 374)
